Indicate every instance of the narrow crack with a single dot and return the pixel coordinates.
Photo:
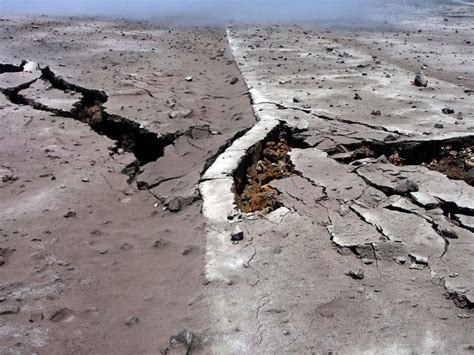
(452, 157)
(433, 224)
(129, 135)
(327, 118)
(378, 228)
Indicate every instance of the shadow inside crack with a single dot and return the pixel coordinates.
(128, 135)
(453, 157)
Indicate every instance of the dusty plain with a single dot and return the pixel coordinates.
(271, 189)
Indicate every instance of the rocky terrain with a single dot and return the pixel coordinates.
(255, 189)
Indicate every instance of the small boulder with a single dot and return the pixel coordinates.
(420, 80)
(237, 234)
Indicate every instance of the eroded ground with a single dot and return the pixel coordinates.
(369, 249)
(310, 199)
(102, 146)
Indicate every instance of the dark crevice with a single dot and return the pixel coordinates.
(327, 118)
(129, 135)
(11, 68)
(453, 156)
(378, 228)
(209, 161)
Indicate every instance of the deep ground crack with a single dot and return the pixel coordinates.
(129, 135)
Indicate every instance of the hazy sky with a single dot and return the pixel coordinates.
(206, 10)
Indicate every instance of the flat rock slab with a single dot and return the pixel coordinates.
(12, 80)
(43, 93)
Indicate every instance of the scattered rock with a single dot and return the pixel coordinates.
(160, 243)
(357, 274)
(302, 126)
(36, 317)
(187, 250)
(180, 113)
(234, 80)
(70, 214)
(447, 111)
(416, 266)
(419, 259)
(62, 315)
(189, 78)
(438, 125)
(391, 137)
(182, 343)
(132, 320)
(400, 260)
(175, 204)
(237, 234)
(421, 80)
(357, 97)
(376, 113)
(7, 175)
(7, 309)
(405, 186)
(234, 214)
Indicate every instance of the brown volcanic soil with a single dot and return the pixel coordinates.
(91, 264)
(274, 164)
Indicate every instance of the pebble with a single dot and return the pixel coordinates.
(159, 243)
(70, 214)
(132, 320)
(400, 260)
(419, 259)
(237, 234)
(189, 78)
(357, 274)
(180, 113)
(175, 204)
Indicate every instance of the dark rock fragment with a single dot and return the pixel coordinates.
(357, 274)
(421, 80)
(237, 234)
(181, 344)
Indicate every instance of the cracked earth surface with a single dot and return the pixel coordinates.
(123, 183)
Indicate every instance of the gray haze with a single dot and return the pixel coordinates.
(221, 11)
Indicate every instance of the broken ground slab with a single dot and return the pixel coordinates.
(98, 56)
(43, 93)
(428, 188)
(341, 200)
(320, 75)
